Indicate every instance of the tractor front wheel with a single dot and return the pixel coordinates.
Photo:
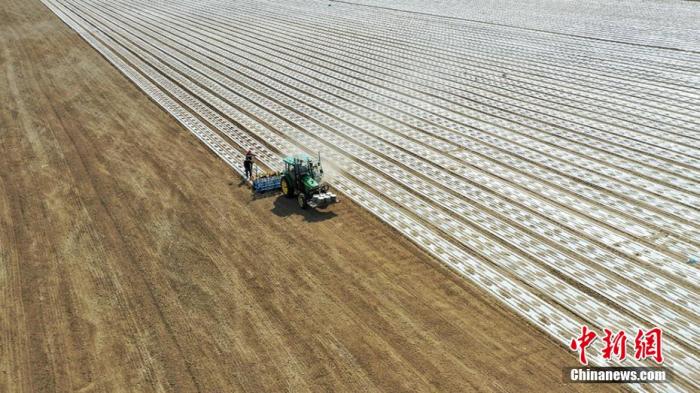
(287, 190)
(301, 200)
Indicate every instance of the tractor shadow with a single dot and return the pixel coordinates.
(266, 195)
(285, 207)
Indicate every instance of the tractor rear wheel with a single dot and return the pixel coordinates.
(287, 190)
(301, 200)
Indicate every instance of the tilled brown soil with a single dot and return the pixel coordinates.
(132, 260)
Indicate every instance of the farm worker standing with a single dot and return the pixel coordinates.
(248, 164)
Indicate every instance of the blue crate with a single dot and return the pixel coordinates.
(266, 184)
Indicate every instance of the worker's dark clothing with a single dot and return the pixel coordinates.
(248, 165)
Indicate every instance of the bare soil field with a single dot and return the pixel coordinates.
(131, 259)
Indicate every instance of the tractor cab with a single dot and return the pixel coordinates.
(302, 168)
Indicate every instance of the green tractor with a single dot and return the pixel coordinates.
(301, 179)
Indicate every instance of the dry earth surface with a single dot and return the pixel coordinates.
(132, 260)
